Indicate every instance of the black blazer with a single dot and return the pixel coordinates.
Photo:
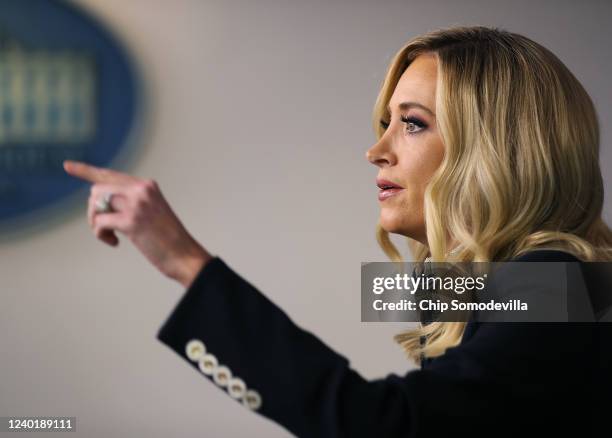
(504, 379)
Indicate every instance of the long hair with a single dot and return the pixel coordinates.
(521, 162)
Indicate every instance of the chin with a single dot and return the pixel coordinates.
(396, 223)
(391, 222)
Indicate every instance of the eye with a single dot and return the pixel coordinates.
(413, 122)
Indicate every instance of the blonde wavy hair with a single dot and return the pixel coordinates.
(521, 164)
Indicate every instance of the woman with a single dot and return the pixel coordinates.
(490, 146)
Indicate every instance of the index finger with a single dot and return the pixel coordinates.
(94, 174)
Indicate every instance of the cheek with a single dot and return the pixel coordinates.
(419, 164)
(416, 165)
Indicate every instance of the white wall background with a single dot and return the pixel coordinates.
(258, 119)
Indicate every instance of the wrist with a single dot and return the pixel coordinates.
(190, 264)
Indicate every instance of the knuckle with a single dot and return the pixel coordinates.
(150, 182)
(144, 190)
(149, 185)
(141, 188)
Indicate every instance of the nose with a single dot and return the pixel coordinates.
(380, 154)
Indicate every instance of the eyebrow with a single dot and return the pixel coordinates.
(408, 105)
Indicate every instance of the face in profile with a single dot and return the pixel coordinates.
(409, 151)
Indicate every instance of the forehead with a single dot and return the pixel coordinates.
(417, 83)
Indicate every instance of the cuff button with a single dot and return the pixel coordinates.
(222, 375)
(252, 399)
(208, 364)
(195, 349)
(236, 388)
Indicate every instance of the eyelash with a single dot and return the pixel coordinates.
(413, 120)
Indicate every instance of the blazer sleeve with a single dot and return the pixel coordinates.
(237, 338)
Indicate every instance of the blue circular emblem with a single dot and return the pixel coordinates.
(67, 91)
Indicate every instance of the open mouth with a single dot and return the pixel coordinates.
(387, 192)
(387, 188)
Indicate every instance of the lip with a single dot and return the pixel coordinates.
(387, 193)
(381, 183)
(387, 188)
